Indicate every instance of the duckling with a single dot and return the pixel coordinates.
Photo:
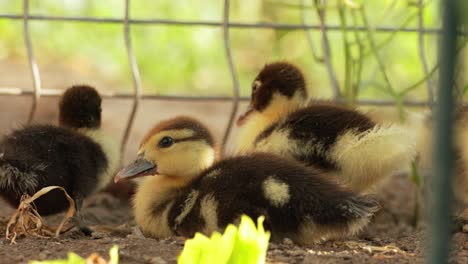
(338, 140)
(74, 155)
(186, 191)
(425, 141)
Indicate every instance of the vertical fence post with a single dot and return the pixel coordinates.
(443, 145)
(136, 79)
(31, 61)
(232, 70)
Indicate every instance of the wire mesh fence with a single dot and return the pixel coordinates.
(226, 24)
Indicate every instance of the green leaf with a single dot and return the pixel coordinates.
(75, 259)
(72, 259)
(244, 244)
(114, 255)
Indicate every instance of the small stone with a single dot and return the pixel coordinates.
(97, 235)
(459, 239)
(136, 231)
(287, 241)
(276, 252)
(106, 240)
(19, 258)
(296, 252)
(272, 246)
(41, 256)
(157, 260)
(345, 254)
(465, 228)
(464, 214)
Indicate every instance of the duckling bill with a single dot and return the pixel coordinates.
(335, 139)
(186, 191)
(74, 155)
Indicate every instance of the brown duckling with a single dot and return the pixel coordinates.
(75, 155)
(335, 139)
(186, 191)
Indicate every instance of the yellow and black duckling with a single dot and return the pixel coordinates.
(425, 141)
(74, 155)
(335, 139)
(186, 191)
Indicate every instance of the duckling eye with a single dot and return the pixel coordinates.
(166, 142)
(256, 85)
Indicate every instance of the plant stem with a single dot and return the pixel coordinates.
(348, 62)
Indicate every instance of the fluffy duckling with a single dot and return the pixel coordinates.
(335, 139)
(425, 142)
(186, 193)
(74, 155)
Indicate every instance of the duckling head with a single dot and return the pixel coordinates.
(178, 149)
(277, 90)
(80, 107)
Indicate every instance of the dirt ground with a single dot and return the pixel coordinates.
(389, 238)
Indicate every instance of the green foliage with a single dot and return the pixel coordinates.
(246, 244)
(191, 60)
(72, 259)
(75, 259)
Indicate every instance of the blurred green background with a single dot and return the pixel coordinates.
(190, 60)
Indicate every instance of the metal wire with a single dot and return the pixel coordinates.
(225, 24)
(32, 62)
(258, 25)
(57, 92)
(422, 52)
(232, 70)
(135, 76)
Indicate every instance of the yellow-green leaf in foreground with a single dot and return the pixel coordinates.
(245, 244)
(114, 255)
(72, 259)
(75, 259)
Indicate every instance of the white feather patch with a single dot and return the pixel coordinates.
(188, 206)
(276, 191)
(208, 210)
(366, 159)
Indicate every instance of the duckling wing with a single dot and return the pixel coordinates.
(312, 132)
(325, 123)
(297, 202)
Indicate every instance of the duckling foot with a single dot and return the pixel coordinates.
(81, 226)
(87, 231)
(78, 218)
